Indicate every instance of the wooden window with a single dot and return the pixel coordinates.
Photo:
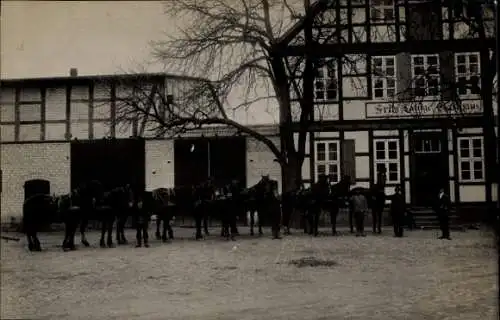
(386, 158)
(384, 77)
(471, 159)
(326, 82)
(382, 11)
(327, 159)
(467, 73)
(425, 75)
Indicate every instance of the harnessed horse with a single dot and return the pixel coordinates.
(162, 203)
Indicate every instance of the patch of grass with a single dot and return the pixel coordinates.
(312, 262)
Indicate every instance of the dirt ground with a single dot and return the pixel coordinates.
(377, 277)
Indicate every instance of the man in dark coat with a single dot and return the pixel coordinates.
(320, 192)
(143, 205)
(443, 205)
(398, 209)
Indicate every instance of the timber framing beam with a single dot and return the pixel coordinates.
(384, 48)
(391, 124)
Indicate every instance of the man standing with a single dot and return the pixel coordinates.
(359, 205)
(442, 210)
(272, 205)
(398, 209)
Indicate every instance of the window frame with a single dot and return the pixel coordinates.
(379, 8)
(327, 162)
(327, 67)
(436, 76)
(387, 161)
(384, 77)
(471, 159)
(468, 74)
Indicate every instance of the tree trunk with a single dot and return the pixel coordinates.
(291, 173)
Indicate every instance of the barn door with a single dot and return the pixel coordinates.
(190, 161)
(228, 160)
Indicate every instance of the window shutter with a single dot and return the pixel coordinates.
(447, 67)
(404, 81)
(349, 159)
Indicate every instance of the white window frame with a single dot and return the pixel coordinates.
(329, 76)
(327, 162)
(386, 160)
(382, 11)
(382, 80)
(427, 78)
(471, 159)
(468, 74)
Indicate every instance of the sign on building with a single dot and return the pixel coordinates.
(422, 109)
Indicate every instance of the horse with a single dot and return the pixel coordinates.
(203, 197)
(41, 210)
(161, 203)
(318, 201)
(115, 204)
(337, 199)
(262, 199)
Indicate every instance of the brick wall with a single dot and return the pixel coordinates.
(51, 161)
(21, 162)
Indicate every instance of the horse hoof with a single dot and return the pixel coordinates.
(86, 243)
(164, 240)
(111, 245)
(124, 241)
(158, 236)
(146, 245)
(102, 245)
(251, 233)
(138, 245)
(31, 247)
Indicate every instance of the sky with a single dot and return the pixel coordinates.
(47, 38)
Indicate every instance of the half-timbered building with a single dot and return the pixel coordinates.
(397, 87)
(66, 130)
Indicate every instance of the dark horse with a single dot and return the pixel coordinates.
(338, 198)
(259, 199)
(71, 209)
(39, 211)
(105, 207)
(161, 203)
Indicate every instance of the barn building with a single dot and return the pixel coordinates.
(62, 130)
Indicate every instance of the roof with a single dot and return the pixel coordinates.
(48, 81)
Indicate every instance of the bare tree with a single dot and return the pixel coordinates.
(226, 49)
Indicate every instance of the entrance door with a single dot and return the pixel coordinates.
(430, 167)
(112, 162)
(228, 160)
(190, 161)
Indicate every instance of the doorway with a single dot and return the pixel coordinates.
(430, 167)
(114, 162)
(223, 159)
